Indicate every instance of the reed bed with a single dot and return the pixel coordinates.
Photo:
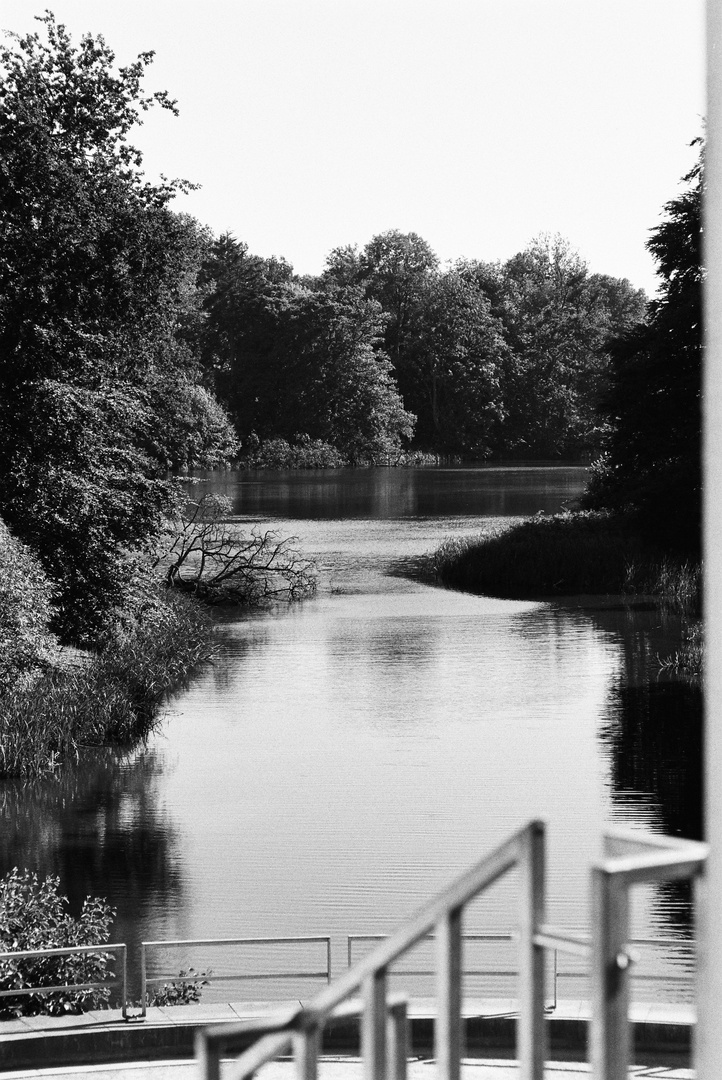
(113, 696)
(567, 554)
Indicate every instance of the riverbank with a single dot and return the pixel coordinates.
(563, 555)
(576, 554)
(109, 697)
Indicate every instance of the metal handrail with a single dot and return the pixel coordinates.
(551, 939)
(71, 950)
(630, 859)
(145, 979)
(525, 849)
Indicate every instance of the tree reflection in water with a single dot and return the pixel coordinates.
(653, 733)
(100, 827)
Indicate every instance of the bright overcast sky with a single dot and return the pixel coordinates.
(478, 124)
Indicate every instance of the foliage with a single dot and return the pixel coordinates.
(556, 321)
(653, 465)
(206, 556)
(508, 359)
(25, 598)
(303, 453)
(187, 988)
(34, 915)
(565, 554)
(689, 659)
(111, 697)
(96, 369)
(279, 353)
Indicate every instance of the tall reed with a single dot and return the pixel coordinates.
(112, 697)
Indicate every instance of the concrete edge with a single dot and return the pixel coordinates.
(168, 1034)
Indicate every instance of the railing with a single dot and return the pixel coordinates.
(74, 986)
(557, 973)
(631, 858)
(192, 943)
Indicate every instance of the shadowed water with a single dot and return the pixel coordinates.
(347, 755)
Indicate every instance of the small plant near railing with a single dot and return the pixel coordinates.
(34, 915)
(184, 990)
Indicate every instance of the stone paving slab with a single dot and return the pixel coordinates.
(342, 1069)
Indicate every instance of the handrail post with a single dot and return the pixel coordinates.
(328, 960)
(208, 1057)
(124, 955)
(373, 1034)
(143, 983)
(531, 1025)
(447, 1030)
(398, 1040)
(610, 1040)
(306, 1045)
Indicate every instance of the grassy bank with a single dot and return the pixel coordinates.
(113, 696)
(564, 555)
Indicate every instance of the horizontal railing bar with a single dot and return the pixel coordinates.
(65, 951)
(649, 843)
(235, 978)
(23, 990)
(432, 937)
(635, 869)
(465, 888)
(551, 938)
(640, 976)
(240, 941)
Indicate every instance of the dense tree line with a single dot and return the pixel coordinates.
(506, 359)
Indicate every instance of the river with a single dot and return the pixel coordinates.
(350, 753)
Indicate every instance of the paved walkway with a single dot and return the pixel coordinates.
(342, 1069)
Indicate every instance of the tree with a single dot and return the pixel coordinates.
(451, 368)
(94, 299)
(653, 466)
(557, 320)
(204, 555)
(287, 357)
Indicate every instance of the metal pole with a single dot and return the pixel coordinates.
(531, 1025)
(610, 978)
(448, 1028)
(709, 1047)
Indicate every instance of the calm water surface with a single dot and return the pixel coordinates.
(348, 754)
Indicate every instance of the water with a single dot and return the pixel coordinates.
(347, 755)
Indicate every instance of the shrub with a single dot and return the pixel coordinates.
(25, 607)
(305, 453)
(34, 915)
(182, 991)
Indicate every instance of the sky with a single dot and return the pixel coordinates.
(478, 124)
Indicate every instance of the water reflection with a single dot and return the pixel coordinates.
(102, 829)
(383, 494)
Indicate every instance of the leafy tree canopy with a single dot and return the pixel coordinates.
(97, 319)
(653, 466)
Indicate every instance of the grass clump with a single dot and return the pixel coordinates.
(112, 696)
(563, 555)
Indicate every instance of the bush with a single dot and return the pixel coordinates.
(25, 607)
(33, 915)
(565, 555)
(182, 991)
(305, 453)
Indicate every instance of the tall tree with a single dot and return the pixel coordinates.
(653, 465)
(92, 293)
